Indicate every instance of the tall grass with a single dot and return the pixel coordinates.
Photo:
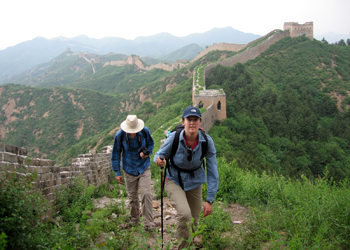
(297, 214)
(285, 214)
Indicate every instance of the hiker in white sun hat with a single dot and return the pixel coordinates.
(132, 124)
(133, 144)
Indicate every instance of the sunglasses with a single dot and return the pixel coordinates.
(189, 152)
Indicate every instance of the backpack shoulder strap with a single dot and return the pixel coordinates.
(123, 134)
(143, 132)
(205, 144)
(175, 144)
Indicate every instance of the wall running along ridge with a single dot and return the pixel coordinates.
(95, 167)
(213, 99)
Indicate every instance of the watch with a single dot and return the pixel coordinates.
(210, 202)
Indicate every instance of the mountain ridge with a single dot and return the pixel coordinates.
(23, 56)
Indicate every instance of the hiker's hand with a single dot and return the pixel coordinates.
(160, 163)
(207, 208)
(143, 156)
(119, 179)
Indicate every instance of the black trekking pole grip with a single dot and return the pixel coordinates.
(161, 197)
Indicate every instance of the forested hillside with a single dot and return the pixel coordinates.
(288, 110)
(48, 120)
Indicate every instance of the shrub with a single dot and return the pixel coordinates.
(21, 211)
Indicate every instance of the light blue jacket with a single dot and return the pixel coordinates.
(180, 160)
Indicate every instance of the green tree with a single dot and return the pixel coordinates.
(342, 43)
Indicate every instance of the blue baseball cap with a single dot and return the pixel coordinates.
(191, 111)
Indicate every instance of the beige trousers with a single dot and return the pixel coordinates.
(188, 205)
(133, 183)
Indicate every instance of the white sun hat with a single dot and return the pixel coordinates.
(132, 124)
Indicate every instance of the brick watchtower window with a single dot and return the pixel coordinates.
(201, 104)
(219, 106)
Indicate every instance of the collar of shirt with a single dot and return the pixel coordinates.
(193, 145)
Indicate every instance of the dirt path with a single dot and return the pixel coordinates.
(238, 216)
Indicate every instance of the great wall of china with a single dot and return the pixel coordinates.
(96, 167)
(215, 100)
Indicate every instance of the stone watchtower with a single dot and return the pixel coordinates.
(214, 101)
(296, 29)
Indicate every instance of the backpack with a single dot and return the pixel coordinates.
(124, 134)
(175, 146)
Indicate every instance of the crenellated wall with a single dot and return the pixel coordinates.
(93, 167)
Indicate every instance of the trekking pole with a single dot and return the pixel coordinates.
(161, 197)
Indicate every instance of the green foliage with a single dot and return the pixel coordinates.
(310, 214)
(215, 226)
(80, 224)
(3, 241)
(21, 212)
(74, 199)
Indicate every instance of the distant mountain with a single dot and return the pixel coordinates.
(186, 53)
(88, 71)
(332, 37)
(26, 55)
(220, 35)
(23, 56)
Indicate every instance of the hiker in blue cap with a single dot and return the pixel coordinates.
(185, 172)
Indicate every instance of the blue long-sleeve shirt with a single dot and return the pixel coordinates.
(180, 160)
(125, 154)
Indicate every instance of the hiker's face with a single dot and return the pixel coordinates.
(132, 135)
(192, 124)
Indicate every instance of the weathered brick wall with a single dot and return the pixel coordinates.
(208, 118)
(93, 167)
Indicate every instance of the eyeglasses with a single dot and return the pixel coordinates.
(189, 152)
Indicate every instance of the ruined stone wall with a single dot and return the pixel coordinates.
(249, 54)
(220, 46)
(93, 167)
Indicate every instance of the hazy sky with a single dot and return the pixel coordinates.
(23, 20)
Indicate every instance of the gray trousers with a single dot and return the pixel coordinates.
(188, 205)
(133, 183)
